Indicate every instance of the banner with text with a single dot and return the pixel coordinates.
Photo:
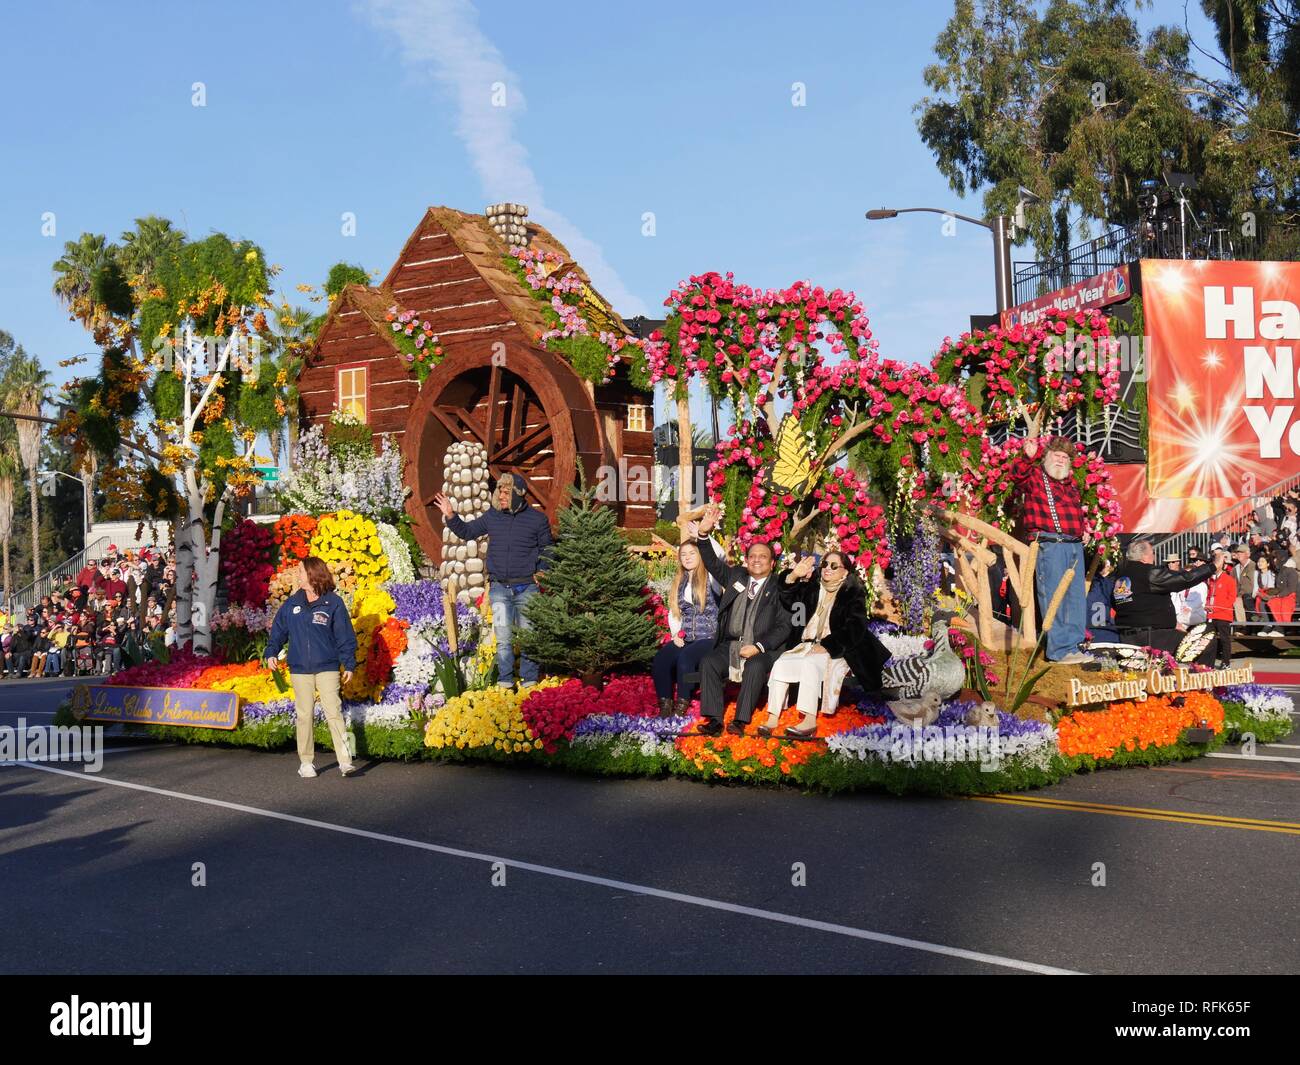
(1222, 341)
(195, 707)
(1111, 286)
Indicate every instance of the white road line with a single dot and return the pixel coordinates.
(1253, 757)
(585, 878)
(1284, 746)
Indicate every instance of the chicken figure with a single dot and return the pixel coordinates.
(917, 712)
(938, 670)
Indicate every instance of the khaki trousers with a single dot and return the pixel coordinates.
(306, 686)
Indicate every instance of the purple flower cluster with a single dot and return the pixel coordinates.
(918, 572)
(399, 693)
(950, 715)
(610, 725)
(418, 601)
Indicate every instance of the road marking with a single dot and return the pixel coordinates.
(1255, 757)
(1283, 746)
(1184, 817)
(1228, 773)
(584, 878)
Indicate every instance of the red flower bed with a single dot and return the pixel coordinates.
(553, 713)
(247, 551)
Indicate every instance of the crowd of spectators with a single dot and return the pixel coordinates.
(117, 609)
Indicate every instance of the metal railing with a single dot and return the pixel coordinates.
(1116, 427)
(32, 593)
(1164, 237)
(1092, 257)
(1235, 520)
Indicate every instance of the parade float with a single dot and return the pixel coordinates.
(896, 464)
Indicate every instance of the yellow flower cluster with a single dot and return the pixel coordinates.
(256, 689)
(489, 718)
(371, 607)
(346, 540)
(479, 668)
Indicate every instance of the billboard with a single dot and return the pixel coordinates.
(1221, 351)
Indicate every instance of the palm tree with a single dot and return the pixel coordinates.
(9, 470)
(25, 394)
(76, 271)
(144, 247)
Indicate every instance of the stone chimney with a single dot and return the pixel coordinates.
(508, 220)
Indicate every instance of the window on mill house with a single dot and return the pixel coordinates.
(351, 396)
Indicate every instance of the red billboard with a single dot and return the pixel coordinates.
(1221, 347)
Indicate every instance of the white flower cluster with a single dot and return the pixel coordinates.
(388, 714)
(320, 482)
(935, 743)
(642, 743)
(900, 646)
(399, 555)
(1271, 704)
(415, 664)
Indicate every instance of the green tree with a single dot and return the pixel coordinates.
(75, 272)
(1070, 100)
(153, 241)
(590, 616)
(342, 274)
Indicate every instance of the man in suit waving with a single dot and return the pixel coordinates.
(753, 629)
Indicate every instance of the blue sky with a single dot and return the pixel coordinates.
(382, 107)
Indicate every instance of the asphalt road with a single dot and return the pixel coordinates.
(392, 871)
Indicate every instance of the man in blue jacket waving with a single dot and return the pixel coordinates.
(518, 537)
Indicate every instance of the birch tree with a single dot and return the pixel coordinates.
(181, 342)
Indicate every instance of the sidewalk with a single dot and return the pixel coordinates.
(1284, 671)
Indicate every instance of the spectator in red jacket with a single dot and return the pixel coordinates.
(1220, 605)
(86, 578)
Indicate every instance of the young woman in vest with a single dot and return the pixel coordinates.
(315, 623)
(693, 622)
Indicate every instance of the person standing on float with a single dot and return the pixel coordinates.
(1051, 512)
(519, 537)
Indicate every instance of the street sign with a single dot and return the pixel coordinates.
(270, 474)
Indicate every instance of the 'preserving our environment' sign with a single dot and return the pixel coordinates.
(1154, 682)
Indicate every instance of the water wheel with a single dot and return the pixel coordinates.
(530, 411)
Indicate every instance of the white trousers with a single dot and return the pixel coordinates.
(819, 677)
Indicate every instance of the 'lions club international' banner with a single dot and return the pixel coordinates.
(1222, 354)
(196, 707)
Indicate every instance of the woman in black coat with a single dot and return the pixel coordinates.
(830, 617)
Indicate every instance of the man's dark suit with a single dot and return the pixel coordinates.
(772, 633)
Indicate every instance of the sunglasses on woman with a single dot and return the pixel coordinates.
(831, 565)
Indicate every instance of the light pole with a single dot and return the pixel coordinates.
(85, 521)
(1000, 227)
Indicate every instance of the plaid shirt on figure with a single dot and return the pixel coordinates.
(1031, 482)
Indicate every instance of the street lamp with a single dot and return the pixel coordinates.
(1001, 229)
(85, 521)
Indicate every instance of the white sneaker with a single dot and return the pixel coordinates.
(347, 770)
(306, 770)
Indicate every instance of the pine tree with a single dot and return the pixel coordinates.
(590, 616)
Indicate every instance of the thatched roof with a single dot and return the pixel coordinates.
(475, 238)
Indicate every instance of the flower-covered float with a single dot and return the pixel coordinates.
(884, 447)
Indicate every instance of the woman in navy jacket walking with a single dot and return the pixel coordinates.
(315, 622)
